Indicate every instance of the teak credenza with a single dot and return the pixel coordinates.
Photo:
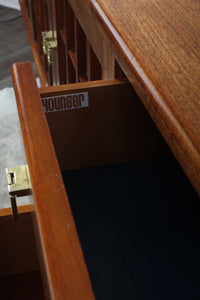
(119, 84)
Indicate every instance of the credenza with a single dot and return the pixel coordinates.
(113, 151)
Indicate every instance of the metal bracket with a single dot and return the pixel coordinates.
(49, 42)
(19, 185)
(46, 35)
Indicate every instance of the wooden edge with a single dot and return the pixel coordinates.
(38, 63)
(61, 89)
(63, 259)
(21, 209)
(181, 144)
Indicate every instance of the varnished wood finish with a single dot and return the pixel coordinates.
(69, 59)
(65, 268)
(114, 128)
(157, 45)
(96, 35)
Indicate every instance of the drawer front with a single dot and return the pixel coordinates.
(63, 263)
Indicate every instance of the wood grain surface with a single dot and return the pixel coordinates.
(96, 35)
(21, 209)
(65, 269)
(157, 44)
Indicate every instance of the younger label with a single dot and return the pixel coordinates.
(65, 102)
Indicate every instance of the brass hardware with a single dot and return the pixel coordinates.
(50, 45)
(46, 35)
(49, 42)
(18, 181)
(18, 185)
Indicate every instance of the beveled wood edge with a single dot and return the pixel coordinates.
(38, 63)
(181, 144)
(65, 267)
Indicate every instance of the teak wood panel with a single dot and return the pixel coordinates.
(157, 44)
(65, 269)
(114, 128)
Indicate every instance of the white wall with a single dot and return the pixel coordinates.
(10, 3)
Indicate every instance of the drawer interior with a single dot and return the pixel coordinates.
(20, 276)
(135, 211)
(139, 228)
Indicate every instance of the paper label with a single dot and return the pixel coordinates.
(65, 102)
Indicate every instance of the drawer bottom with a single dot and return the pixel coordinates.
(139, 228)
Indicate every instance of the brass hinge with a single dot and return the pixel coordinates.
(49, 42)
(19, 185)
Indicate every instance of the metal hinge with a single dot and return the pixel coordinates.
(49, 42)
(19, 185)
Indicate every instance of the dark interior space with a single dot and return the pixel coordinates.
(139, 228)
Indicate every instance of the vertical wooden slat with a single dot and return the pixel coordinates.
(60, 24)
(70, 43)
(93, 65)
(43, 25)
(45, 16)
(91, 25)
(71, 72)
(38, 58)
(33, 20)
(70, 27)
(118, 71)
(54, 67)
(41, 16)
(80, 52)
(46, 28)
(26, 3)
(39, 27)
(27, 7)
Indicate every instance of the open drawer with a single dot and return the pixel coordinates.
(130, 240)
(20, 276)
